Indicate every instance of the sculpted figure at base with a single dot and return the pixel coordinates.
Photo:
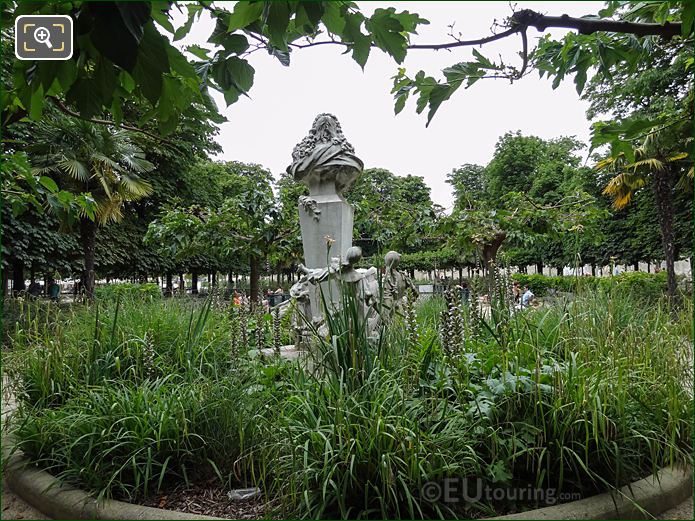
(361, 282)
(396, 284)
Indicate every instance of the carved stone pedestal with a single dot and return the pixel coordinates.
(332, 225)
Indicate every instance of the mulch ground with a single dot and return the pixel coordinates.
(208, 501)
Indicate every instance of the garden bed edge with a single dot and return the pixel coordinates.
(655, 494)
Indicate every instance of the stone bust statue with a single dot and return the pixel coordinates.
(324, 160)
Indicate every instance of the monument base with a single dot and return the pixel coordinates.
(326, 223)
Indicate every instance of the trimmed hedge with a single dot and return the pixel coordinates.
(638, 284)
(126, 289)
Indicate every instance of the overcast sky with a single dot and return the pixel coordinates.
(284, 100)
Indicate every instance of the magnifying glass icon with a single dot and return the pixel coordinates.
(43, 35)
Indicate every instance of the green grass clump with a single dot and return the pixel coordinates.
(148, 290)
(125, 397)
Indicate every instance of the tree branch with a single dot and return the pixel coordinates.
(523, 19)
(435, 46)
(541, 22)
(74, 114)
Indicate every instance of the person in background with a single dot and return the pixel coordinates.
(53, 290)
(527, 297)
(465, 292)
(236, 298)
(34, 289)
(516, 291)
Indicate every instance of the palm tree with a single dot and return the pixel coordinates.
(657, 164)
(97, 163)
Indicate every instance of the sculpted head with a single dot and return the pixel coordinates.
(353, 255)
(325, 157)
(392, 259)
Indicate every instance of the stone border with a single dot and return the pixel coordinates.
(59, 501)
(655, 494)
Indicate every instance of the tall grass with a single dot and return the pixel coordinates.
(581, 396)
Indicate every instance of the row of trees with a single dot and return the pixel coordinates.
(534, 201)
(75, 132)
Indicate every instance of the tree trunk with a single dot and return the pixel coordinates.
(194, 283)
(169, 289)
(88, 233)
(182, 284)
(255, 278)
(18, 277)
(490, 250)
(661, 183)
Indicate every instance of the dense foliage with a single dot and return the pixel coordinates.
(133, 396)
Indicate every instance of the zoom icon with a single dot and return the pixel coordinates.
(43, 37)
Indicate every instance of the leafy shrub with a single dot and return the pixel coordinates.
(121, 397)
(125, 440)
(128, 290)
(335, 453)
(649, 286)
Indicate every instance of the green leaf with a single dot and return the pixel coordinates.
(48, 183)
(242, 73)
(484, 62)
(314, 11)
(333, 18)
(198, 52)
(152, 63)
(282, 56)
(84, 94)
(234, 73)
(104, 80)
(580, 80)
(361, 43)
(232, 43)
(126, 81)
(134, 15)
(277, 22)
(161, 16)
(438, 95)
(235, 43)
(112, 37)
(117, 111)
(410, 21)
(181, 65)
(687, 17)
(67, 73)
(245, 13)
(386, 30)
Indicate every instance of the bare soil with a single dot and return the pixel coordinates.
(209, 502)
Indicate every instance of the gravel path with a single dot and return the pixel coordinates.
(682, 511)
(13, 507)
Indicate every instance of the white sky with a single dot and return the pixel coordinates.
(284, 100)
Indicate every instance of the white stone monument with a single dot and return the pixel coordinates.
(326, 163)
